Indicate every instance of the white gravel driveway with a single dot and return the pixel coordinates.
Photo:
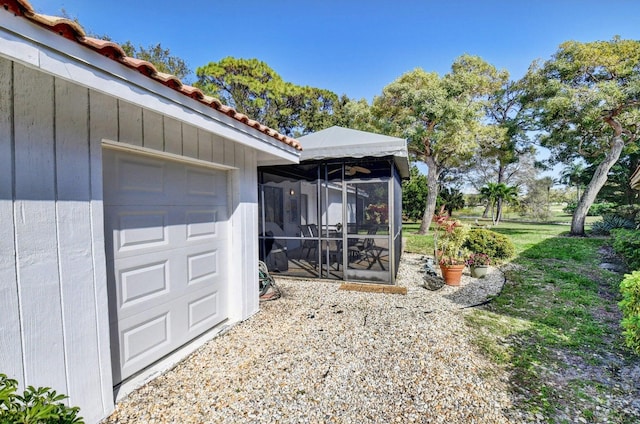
(323, 355)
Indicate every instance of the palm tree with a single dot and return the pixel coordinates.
(572, 176)
(489, 193)
(505, 193)
(496, 194)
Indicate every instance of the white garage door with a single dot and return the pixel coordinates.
(166, 235)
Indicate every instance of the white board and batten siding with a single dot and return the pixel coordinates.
(54, 310)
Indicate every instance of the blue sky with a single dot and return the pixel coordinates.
(355, 47)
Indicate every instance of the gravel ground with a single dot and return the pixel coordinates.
(322, 355)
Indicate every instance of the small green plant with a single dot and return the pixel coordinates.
(497, 246)
(630, 306)
(609, 222)
(627, 243)
(35, 406)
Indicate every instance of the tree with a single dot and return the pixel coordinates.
(251, 87)
(571, 176)
(161, 58)
(414, 194)
(586, 100)
(536, 202)
(355, 114)
(439, 116)
(505, 142)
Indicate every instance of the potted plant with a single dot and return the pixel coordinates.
(449, 236)
(478, 264)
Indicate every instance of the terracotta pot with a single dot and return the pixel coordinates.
(452, 274)
(479, 271)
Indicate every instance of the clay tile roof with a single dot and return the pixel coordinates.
(73, 31)
(106, 48)
(168, 80)
(193, 92)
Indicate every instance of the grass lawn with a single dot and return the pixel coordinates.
(555, 327)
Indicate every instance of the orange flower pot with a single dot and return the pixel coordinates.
(452, 274)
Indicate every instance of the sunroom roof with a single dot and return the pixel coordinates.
(338, 142)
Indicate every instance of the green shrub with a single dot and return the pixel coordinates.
(609, 222)
(498, 246)
(35, 406)
(630, 306)
(627, 243)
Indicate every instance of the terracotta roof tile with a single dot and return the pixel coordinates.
(73, 31)
(106, 48)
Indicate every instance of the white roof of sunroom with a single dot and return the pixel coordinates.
(338, 142)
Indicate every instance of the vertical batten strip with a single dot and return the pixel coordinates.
(65, 342)
(103, 117)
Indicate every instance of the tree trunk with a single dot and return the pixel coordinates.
(593, 188)
(498, 211)
(485, 214)
(498, 217)
(432, 183)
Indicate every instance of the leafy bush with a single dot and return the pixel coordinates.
(627, 243)
(609, 222)
(630, 306)
(594, 210)
(498, 246)
(35, 406)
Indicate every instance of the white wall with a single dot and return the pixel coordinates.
(53, 295)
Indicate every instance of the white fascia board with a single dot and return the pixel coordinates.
(27, 43)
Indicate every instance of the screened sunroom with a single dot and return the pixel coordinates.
(338, 213)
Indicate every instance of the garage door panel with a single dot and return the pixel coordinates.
(205, 187)
(205, 224)
(137, 228)
(166, 238)
(172, 273)
(141, 285)
(205, 309)
(134, 179)
(203, 267)
(145, 229)
(142, 339)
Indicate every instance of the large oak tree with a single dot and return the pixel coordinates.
(586, 99)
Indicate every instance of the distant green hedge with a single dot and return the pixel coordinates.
(627, 243)
(595, 209)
